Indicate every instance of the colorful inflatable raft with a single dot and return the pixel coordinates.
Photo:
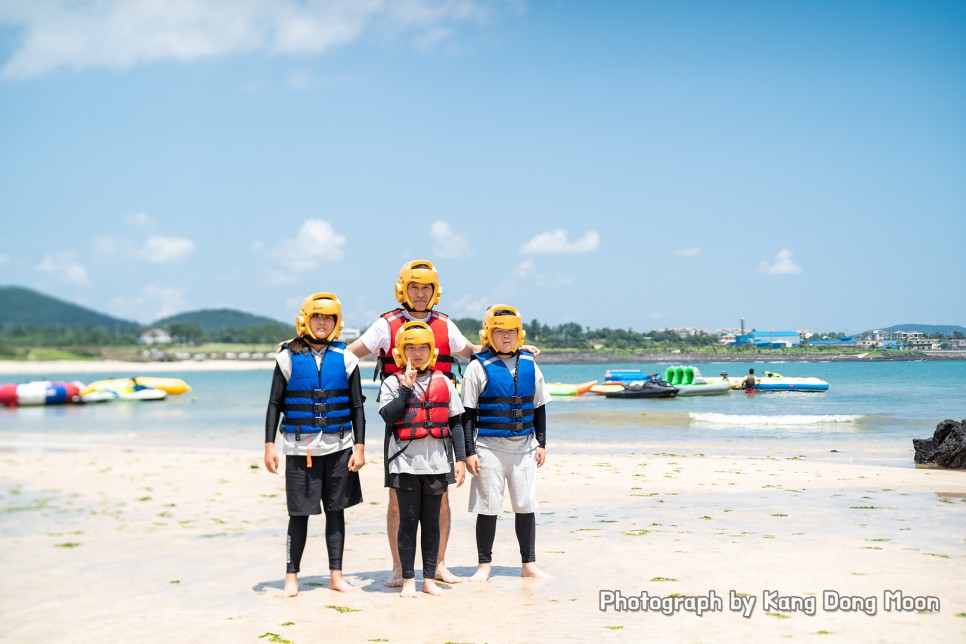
(39, 392)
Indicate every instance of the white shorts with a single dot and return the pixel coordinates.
(501, 470)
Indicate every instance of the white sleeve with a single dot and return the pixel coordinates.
(351, 362)
(457, 341)
(388, 391)
(541, 396)
(377, 336)
(455, 406)
(474, 380)
(284, 361)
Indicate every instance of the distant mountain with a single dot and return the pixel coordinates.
(213, 320)
(927, 329)
(19, 305)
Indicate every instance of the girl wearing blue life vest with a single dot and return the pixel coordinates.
(505, 425)
(422, 414)
(316, 398)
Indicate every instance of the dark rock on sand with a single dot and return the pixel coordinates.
(946, 448)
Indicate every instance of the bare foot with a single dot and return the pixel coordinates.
(291, 585)
(531, 570)
(482, 572)
(444, 575)
(430, 588)
(338, 582)
(395, 579)
(408, 588)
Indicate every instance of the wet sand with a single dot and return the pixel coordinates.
(178, 546)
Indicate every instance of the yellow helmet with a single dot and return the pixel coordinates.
(414, 332)
(420, 271)
(319, 304)
(501, 316)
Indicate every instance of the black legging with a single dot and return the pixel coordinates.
(526, 528)
(298, 528)
(418, 510)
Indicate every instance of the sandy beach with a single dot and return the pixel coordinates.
(179, 546)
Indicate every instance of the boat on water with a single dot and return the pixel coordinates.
(171, 386)
(133, 392)
(39, 392)
(776, 382)
(569, 389)
(690, 382)
(644, 389)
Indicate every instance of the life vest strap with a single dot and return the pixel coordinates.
(505, 400)
(318, 394)
(318, 408)
(517, 426)
(507, 413)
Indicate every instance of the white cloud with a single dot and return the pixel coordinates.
(556, 242)
(138, 219)
(782, 264)
(316, 242)
(687, 252)
(447, 242)
(64, 267)
(160, 250)
(122, 33)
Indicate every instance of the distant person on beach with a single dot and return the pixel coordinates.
(417, 290)
(505, 425)
(750, 380)
(423, 423)
(317, 392)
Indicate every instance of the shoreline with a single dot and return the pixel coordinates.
(129, 368)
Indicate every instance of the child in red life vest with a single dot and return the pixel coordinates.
(422, 414)
(317, 394)
(505, 424)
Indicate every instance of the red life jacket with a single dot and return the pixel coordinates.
(437, 322)
(429, 416)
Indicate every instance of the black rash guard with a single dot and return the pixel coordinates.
(276, 403)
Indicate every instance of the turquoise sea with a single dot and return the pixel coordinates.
(879, 405)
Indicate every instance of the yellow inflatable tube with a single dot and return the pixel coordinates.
(173, 386)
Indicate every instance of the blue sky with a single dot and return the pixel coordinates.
(801, 165)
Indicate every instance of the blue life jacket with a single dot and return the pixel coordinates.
(505, 406)
(318, 400)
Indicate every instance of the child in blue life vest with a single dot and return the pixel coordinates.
(317, 395)
(422, 413)
(505, 425)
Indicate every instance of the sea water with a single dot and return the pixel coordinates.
(881, 405)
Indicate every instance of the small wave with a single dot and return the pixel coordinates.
(734, 420)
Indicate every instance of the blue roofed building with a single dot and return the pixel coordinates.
(769, 339)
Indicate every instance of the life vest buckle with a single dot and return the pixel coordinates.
(516, 400)
(518, 426)
(517, 413)
(320, 409)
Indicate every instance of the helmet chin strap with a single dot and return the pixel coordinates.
(313, 340)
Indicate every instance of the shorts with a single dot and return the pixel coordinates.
(327, 483)
(429, 484)
(516, 471)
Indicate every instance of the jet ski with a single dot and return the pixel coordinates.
(645, 389)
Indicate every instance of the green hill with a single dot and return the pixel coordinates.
(26, 307)
(927, 329)
(213, 320)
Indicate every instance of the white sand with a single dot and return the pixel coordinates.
(174, 546)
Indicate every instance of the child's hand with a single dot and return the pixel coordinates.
(409, 378)
(271, 458)
(460, 473)
(532, 349)
(473, 465)
(358, 458)
(541, 456)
